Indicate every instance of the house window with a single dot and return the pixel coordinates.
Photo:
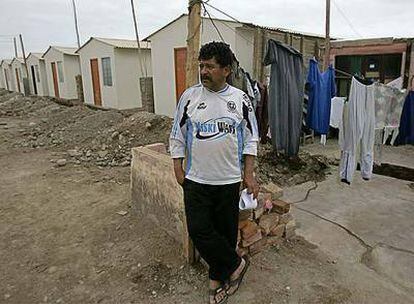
(60, 71)
(37, 73)
(106, 71)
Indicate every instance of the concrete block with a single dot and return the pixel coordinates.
(290, 229)
(268, 222)
(156, 194)
(285, 218)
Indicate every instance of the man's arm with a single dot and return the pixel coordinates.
(249, 179)
(178, 170)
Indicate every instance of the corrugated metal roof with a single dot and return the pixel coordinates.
(124, 43)
(119, 43)
(283, 30)
(8, 61)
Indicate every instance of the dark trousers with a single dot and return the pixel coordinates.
(212, 220)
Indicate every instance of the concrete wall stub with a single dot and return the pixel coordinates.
(155, 194)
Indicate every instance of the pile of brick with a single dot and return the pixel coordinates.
(269, 224)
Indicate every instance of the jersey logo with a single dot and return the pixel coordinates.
(201, 106)
(215, 128)
(231, 106)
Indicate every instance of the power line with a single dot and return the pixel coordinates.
(220, 11)
(218, 31)
(346, 19)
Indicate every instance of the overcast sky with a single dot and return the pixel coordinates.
(46, 22)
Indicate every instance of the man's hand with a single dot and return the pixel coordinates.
(251, 184)
(178, 170)
(249, 180)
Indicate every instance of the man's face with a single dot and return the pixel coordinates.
(212, 75)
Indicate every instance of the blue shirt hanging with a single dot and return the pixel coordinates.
(321, 90)
(406, 134)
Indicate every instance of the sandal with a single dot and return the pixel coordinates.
(219, 295)
(235, 284)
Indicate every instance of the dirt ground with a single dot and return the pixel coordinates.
(68, 235)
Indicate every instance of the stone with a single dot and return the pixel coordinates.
(278, 231)
(242, 251)
(274, 240)
(52, 269)
(125, 163)
(252, 239)
(268, 222)
(61, 162)
(280, 206)
(275, 191)
(115, 135)
(148, 125)
(32, 124)
(244, 214)
(243, 223)
(74, 153)
(102, 154)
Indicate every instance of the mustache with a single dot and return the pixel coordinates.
(205, 77)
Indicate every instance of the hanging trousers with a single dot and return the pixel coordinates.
(358, 131)
(212, 213)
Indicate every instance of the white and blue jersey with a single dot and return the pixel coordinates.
(213, 130)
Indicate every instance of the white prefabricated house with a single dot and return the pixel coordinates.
(5, 69)
(111, 70)
(19, 72)
(62, 66)
(37, 74)
(168, 52)
(2, 78)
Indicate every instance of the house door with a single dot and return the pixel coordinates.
(180, 59)
(34, 79)
(7, 80)
(17, 79)
(96, 86)
(55, 80)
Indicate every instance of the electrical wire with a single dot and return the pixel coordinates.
(209, 16)
(346, 19)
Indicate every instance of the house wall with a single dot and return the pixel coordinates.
(6, 68)
(2, 80)
(22, 74)
(162, 54)
(67, 88)
(127, 74)
(95, 49)
(42, 88)
(71, 68)
(53, 56)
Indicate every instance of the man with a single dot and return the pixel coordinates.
(215, 130)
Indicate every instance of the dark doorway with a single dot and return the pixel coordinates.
(34, 79)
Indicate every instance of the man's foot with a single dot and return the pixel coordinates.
(237, 276)
(217, 293)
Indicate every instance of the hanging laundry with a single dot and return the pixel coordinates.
(337, 106)
(388, 105)
(321, 90)
(262, 113)
(358, 131)
(406, 129)
(285, 96)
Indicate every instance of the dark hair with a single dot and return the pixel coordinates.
(219, 50)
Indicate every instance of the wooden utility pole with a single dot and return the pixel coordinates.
(193, 42)
(24, 55)
(15, 47)
(76, 22)
(327, 34)
(137, 38)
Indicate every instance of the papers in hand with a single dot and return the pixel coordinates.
(246, 201)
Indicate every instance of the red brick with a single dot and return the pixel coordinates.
(275, 191)
(280, 206)
(278, 231)
(253, 239)
(258, 246)
(245, 214)
(243, 223)
(249, 229)
(268, 222)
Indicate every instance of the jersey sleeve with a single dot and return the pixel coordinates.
(178, 132)
(249, 125)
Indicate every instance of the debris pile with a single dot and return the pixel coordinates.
(267, 225)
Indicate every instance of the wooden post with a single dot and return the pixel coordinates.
(193, 42)
(76, 22)
(24, 55)
(327, 34)
(15, 47)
